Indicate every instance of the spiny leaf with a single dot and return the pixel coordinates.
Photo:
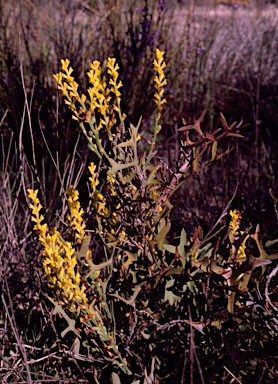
(150, 179)
(161, 236)
(98, 267)
(131, 301)
(192, 286)
(131, 257)
(263, 254)
(169, 295)
(116, 167)
(83, 249)
(59, 309)
(128, 143)
(133, 139)
(199, 325)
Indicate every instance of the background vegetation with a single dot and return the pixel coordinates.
(222, 59)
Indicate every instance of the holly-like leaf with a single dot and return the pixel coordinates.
(71, 323)
(199, 325)
(161, 236)
(131, 257)
(169, 295)
(116, 167)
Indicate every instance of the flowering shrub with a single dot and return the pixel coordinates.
(144, 281)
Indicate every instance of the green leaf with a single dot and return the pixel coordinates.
(181, 248)
(213, 151)
(128, 143)
(97, 267)
(169, 295)
(115, 378)
(131, 257)
(192, 286)
(145, 335)
(170, 248)
(174, 271)
(58, 309)
(131, 301)
(132, 142)
(76, 346)
(182, 244)
(150, 179)
(83, 249)
(116, 167)
(271, 242)
(161, 236)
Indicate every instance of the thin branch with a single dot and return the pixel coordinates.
(232, 375)
(224, 213)
(13, 325)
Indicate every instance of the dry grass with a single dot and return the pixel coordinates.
(222, 59)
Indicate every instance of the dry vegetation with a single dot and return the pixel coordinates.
(222, 59)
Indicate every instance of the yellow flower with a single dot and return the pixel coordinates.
(36, 217)
(123, 236)
(74, 218)
(60, 263)
(113, 72)
(113, 68)
(93, 179)
(65, 64)
(111, 180)
(99, 93)
(68, 86)
(159, 80)
(235, 222)
(60, 266)
(241, 251)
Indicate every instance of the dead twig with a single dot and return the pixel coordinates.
(230, 373)
(15, 331)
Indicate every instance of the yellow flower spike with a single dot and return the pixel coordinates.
(159, 80)
(111, 180)
(95, 74)
(60, 262)
(235, 222)
(113, 68)
(68, 86)
(99, 95)
(65, 64)
(159, 83)
(74, 218)
(93, 179)
(92, 168)
(37, 218)
(58, 78)
(113, 72)
(241, 251)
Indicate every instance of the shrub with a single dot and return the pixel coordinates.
(119, 282)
